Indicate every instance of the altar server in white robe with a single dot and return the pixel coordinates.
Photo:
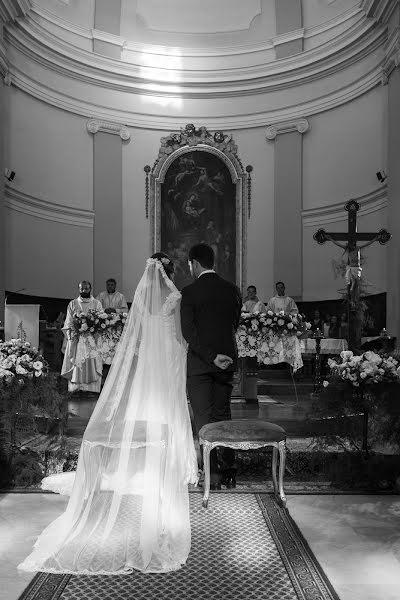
(82, 364)
(281, 302)
(111, 300)
(251, 303)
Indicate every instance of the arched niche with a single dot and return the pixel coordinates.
(197, 193)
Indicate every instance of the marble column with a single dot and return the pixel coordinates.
(107, 26)
(288, 203)
(108, 139)
(391, 77)
(289, 28)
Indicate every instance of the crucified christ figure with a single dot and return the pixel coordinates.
(350, 244)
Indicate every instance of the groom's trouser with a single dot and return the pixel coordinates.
(210, 399)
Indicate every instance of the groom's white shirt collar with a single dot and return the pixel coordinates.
(206, 271)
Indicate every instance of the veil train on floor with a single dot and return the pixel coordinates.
(129, 506)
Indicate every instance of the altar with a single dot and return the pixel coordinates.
(327, 346)
(271, 338)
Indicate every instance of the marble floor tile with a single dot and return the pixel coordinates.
(22, 518)
(357, 541)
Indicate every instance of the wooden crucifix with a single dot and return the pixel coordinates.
(353, 272)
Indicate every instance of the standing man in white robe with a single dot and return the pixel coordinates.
(82, 364)
(282, 302)
(111, 300)
(251, 303)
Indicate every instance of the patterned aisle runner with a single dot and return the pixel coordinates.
(244, 547)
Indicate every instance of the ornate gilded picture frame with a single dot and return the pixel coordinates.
(197, 192)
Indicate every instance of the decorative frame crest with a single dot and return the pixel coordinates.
(220, 144)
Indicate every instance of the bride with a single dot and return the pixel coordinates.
(129, 504)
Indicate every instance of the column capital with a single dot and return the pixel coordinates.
(94, 126)
(300, 125)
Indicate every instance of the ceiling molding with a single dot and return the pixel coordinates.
(392, 54)
(25, 203)
(110, 38)
(333, 213)
(167, 122)
(3, 61)
(130, 45)
(13, 9)
(36, 43)
(289, 36)
(380, 10)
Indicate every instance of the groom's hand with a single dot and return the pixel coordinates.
(222, 361)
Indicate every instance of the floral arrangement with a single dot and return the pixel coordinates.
(96, 322)
(254, 328)
(367, 386)
(271, 337)
(109, 339)
(272, 323)
(19, 361)
(366, 369)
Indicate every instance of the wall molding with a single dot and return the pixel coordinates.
(28, 204)
(333, 213)
(94, 126)
(166, 122)
(301, 126)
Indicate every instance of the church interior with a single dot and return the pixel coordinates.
(270, 130)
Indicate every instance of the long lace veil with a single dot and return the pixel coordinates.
(129, 503)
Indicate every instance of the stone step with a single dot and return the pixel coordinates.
(276, 375)
(282, 389)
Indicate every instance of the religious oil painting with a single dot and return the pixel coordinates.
(198, 204)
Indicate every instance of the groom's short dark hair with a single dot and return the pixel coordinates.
(204, 255)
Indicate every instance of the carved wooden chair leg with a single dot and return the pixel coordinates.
(282, 460)
(274, 468)
(206, 461)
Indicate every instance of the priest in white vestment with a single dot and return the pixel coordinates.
(111, 300)
(82, 364)
(251, 303)
(281, 302)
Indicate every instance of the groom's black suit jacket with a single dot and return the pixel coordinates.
(210, 312)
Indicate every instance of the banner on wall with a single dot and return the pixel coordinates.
(21, 321)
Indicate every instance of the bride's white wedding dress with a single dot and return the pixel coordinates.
(129, 505)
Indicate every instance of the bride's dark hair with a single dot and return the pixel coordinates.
(166, 263)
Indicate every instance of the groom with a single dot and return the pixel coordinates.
(210, 311)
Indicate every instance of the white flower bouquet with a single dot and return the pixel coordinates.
(256, 330)
(364, 370)
(96, 322)
(19, 361)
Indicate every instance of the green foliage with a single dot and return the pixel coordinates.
(37, 397)
(342, 406)
(38, 401)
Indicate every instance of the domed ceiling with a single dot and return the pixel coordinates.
(271, 59)
(201, 24)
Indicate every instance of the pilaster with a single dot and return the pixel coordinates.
(288, 202)
(108, 139)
